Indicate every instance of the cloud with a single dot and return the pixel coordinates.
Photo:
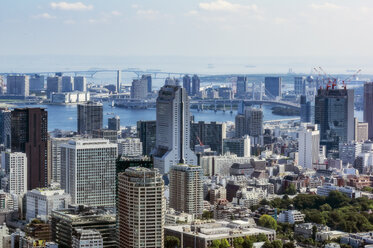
(222, 5)
(69, 21)
(44, 16)
(70, 6)
(116, 13)
(326, 6)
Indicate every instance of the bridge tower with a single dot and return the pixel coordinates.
(215, 108)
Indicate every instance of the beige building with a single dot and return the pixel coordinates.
(141, 208)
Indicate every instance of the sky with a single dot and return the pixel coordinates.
(330, 29)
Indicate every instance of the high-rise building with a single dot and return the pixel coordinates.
(28, 133)
(87, 239)
(239, 146)
(146, 132)
(18, 85)
(114, 123)
(129, 147)
(15, 165)
(368, 107)
(55, 155)
(80, 83)
(139, 89)
(334, 113)
(108, 134)
(148, 79)
(273, 87)
(141, 208)
(65, 221)
(88, 171)
(349, 151)
(119, 78)
(300, 85)
(196, 84)
(249, 123)
(308, 145)
(4, 120)
(242, 86)
(305, 109)
(67, 84)
(187, 84)
(36, 82)
(211, 134)
(173, 129)
(186, 189)
(361, 130)
(54, 84)
(90, 117)
(41, 202)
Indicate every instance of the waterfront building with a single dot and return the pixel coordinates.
(173, 129)
(187, 84)
(67, 84)
(146, 132)
(64, 222)
(54, 84)
(139, 89)
(186, 189)
(300, 87)
(334, 113)
(36, 82)
(18, 85)
(308, 145)
(88, 171)
(15, 165)
(368, 107)
(80, 83)
(273, 87)
(196, 84)
(148, 78)
(90, 117)
(242, 86)
(27, 132)
(88, 238)
(114, 123)
(41, 201)
(141, 208)
(211, 134)
(239, 146)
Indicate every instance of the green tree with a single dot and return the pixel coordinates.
(224, 243)
(206, 215)
(215, 243)
(314, 231)
(261, 238)
(326, 207)
(337, 199)
(238, 242)
(267, 221)
(171, 242)
(289, 245)
(247, 243)
(267, 244)
(264, 202)
(277, 244)
(291, 190)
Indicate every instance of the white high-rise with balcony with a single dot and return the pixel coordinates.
(173, 129)
(15, 164)
(308, 145)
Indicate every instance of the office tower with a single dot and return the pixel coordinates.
(139, 89)
(67, 84)
(368, 107)
(55, 144)
(110, 135)
(349, 151)
(308, 145)
(272, 87)
(28, 133)
(305, 109)
(18, 85)
(36, 82)
(90, 117)
(171, 81)
(196, 84)
(146, 132)
(80, 83)
(225, 93)
(186, 189)
(239, 146)
(129, 147)
(148, 79)
(141, 208)
(15, 165)
(300, 86)
(87, 218)
(41, 202)
(254, 121)
(87, 238)
(173, 129)
(54, 84)
(88, 171)
(187, 84)
(334, 113)
(4, 120)
(114, 123)
(211, 134)
(119, 78)
(240, 125)
(361, 130)
(242, 86)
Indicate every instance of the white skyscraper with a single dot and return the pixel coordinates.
(173, 129)
(88, 171)
(130, 147)
(308, 145)
(15, 164)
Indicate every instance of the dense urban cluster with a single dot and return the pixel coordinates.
(176, 182)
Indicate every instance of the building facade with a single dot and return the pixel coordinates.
(308, 145)
(18, 85)
(90, 117)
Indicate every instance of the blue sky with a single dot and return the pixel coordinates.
(229, 28)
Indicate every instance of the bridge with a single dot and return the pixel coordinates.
(232, 102)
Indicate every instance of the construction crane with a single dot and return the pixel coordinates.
(332, 81)
(348, 79)
(200, 142)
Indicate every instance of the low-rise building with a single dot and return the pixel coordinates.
(87, 239)
(174, 217)
(305, 229)
(291, 217)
